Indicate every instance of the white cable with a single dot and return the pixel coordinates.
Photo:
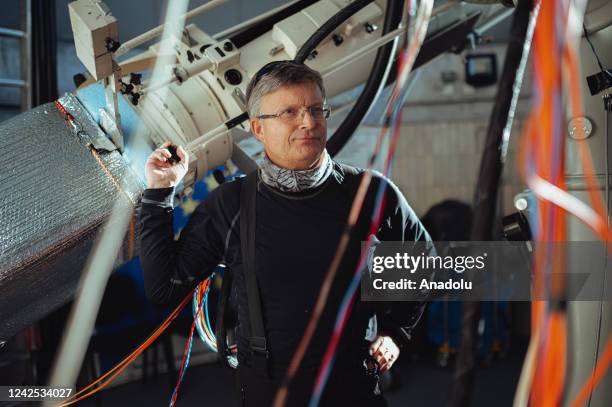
(383, 40)
(552, 193)
(348, 59)
(177, 20)
(521, 397)
(194, 146)
(101, 261)
(210, 342)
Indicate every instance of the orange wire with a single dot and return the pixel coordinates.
(554, 361)
(548, 380)
(128, 359)
(549, 376)
(570, 63)
(600, 369)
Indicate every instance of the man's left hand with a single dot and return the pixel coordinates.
(385, 352)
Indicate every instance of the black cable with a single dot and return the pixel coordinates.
(393, 15)
(586, 35)
(376, 79)
(327, 28)
(485, 198)
(43, 48)
(379, 70)
(247, 35)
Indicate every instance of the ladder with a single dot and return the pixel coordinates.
(25, 38)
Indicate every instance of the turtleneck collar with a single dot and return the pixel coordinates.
(287, 180)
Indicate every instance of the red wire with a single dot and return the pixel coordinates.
(186, 350)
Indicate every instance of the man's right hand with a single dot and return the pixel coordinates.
(160, 173)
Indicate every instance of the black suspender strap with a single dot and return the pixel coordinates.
(257, 341)
(221, 325)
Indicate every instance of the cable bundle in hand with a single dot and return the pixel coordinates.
(203, 325)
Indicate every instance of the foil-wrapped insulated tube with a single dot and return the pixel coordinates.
(58, 181)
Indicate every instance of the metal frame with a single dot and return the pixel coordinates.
(25, 37)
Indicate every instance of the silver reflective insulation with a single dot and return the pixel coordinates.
(56, 190)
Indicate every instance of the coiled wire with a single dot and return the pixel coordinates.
(203, 325)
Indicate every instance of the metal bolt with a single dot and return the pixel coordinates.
(227, 46)
(337, 39)
(521, 204)
(233, 77)
(312, 55)
(370, 28)
(135, 78)
(112, 45)
(276, 49)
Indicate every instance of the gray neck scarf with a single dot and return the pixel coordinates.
(294, 180)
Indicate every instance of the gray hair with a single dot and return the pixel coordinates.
(276, 75)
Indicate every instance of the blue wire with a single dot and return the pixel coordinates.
(348, 295)
(184, 368)
(346, 300)
(206, 314)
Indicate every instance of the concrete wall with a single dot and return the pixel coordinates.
(438, 161)
(445, 124)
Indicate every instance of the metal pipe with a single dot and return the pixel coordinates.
(8, 32)
(26, 54)
(494, 21)
(180, 74)
(248, 23)
(194, 145)
(155, 32)
(341, 63)
(379, 42)
(13, 83)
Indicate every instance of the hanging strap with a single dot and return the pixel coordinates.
(221, 325)
(257, 341)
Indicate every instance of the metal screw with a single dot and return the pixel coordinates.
(275, 50)
(370, 28)
(337, 39)
(312, 55)
(228, 46)
(112, 45)
(233, 77)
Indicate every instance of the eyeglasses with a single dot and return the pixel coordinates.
(292, 115)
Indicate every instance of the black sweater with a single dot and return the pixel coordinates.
(297, 235)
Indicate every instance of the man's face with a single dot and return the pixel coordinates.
(294, 144)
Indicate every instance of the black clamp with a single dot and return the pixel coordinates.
(128, 88)
(135, 78)
(112, 45)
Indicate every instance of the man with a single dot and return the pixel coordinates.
(303, 200)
